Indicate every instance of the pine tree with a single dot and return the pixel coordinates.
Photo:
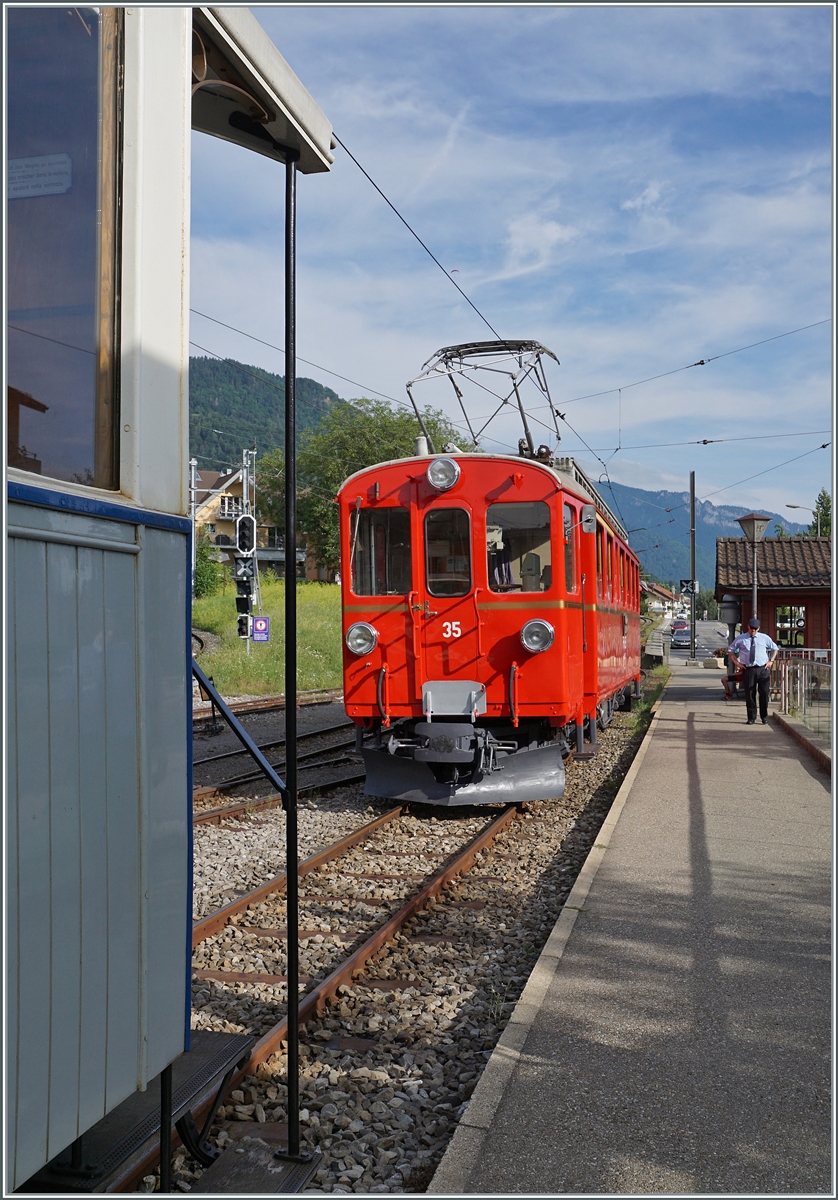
(823, 509)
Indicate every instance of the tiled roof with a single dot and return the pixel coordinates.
(781, 563)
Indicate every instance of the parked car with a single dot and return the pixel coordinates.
(679, 625)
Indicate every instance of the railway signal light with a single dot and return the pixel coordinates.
(246, 534)
(244, 625)
(244, 568)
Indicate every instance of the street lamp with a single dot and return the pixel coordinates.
(815, 512)
(754, 526)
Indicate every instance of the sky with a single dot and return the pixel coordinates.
(637, 188)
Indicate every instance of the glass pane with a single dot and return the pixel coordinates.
(790, 621)
(569, 548)
(380, 552)
(62, 126)
(518, 547)
(448, 564)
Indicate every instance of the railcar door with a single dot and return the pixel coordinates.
(445, 605)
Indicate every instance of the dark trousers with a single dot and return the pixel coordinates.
(757, 682)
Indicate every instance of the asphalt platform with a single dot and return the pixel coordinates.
(675, 1035)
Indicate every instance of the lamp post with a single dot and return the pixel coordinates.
(754, 526)
(814, 511)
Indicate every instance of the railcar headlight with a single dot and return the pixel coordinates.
(443, 473)
(537, 636)
(361, 637)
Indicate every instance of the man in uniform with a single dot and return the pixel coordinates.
(755, 652)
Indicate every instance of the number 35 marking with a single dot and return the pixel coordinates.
(451, 629)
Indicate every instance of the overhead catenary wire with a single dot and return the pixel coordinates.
(702, 362)
(233, 363)
(412, 231)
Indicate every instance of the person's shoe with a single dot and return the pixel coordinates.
(764, 720)
(751, 721)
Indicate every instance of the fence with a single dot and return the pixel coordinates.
(803, 687)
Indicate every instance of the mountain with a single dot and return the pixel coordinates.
(232, 405)
(659, 525)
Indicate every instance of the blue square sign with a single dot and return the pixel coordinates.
(261, 629)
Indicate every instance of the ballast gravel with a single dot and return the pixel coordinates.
(382, 1116)
(239, 854)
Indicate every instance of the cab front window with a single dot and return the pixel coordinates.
(447, 552)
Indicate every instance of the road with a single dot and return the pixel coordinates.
(709, 636)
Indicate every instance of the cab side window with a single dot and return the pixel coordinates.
(518, 554)
(570, 529)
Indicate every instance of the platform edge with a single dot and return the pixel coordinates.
(465, 1148)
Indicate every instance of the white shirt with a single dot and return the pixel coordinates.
(753, 642)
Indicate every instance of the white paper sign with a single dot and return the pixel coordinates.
(45, 175)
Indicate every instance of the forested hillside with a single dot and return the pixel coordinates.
(234, 405)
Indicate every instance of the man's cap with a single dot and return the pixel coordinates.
(753, 623)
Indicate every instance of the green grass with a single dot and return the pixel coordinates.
(652, 686)
(262, 672)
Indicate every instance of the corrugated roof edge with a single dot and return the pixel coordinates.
(263, 59)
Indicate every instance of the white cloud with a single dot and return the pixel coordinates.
(647, 198)
(531, 149)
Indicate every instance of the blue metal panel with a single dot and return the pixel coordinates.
(65, 502)
(124, 708)
(29, 1042)
(99, 683)
(166, 578)
(93, 722)
(12, 838)
(65, 847)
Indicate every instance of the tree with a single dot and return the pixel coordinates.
(706, 599)
(350, 438)
(270, 489)
(823, 508)
(209, 573)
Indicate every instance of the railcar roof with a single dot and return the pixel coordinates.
(568, 472)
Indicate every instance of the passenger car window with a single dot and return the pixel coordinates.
(518, 556)
(447, 552)
(62, 219)
(380, 551)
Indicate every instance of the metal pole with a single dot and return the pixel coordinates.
(692, 564)
(193, 507)
(291, 893)
(754, 596)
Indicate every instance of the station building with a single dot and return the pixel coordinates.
(794, 580)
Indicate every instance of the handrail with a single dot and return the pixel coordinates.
(241, 733)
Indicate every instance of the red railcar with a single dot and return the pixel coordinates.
(491, 618)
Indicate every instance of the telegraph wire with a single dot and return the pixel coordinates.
(232, 362)
(702, 362)
(308, 363)
(447, 274)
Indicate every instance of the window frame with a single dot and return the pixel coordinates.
(426, 516)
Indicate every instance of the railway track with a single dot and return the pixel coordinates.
(331, 748)
(257, 918)
(388, 1065)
